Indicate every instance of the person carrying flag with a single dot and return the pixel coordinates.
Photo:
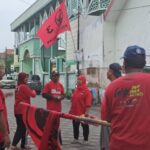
(126, 104)
(53, 92)
(22, 94)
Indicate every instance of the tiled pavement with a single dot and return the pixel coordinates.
(66, 126)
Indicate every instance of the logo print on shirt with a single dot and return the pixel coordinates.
(129, 97)
(54, 91)
(135, 91)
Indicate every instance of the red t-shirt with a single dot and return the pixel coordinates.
(54, 89)
(126, 105)
(4, 110)
(81, 99)
(22, 94)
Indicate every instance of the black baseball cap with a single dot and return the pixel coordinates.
(116, 68)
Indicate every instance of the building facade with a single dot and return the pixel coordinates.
(84, 43)
(33, 57)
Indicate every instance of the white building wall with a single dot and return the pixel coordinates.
(109, 43)
(133, 27)
(71, 43)
(91, 40)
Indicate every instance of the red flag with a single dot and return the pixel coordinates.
(57, 23)
(43, 127)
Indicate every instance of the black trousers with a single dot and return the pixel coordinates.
(20, 133)
(85, 127)
(2, 146)
(60, 138)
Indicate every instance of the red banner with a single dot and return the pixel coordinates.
(43, 127)
(57, 23)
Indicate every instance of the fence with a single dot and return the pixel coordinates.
(69, 82)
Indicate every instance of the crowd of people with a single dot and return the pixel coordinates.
(125, 104)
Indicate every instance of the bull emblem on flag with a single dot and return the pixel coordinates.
(59, 17)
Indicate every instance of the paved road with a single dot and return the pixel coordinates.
(66, 126)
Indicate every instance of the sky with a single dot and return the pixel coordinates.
(9, 11)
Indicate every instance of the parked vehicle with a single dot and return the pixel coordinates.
(147, 68)
(35, 83)
(8, 82)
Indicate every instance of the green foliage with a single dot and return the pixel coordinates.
(9, 61)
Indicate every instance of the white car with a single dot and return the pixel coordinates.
(8, 82)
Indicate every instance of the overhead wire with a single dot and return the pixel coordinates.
(132, 8)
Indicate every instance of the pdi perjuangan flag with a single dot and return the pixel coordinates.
(42, 126)
(57, 23)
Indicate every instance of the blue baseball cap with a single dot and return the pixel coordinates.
(133, 51)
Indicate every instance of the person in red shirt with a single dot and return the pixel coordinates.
(22, 94)
(53, 92)
(126, 104)
(80, 105)
(4, 128)
(114, 72)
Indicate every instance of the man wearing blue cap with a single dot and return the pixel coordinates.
(126, 104)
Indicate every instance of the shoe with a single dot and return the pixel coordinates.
(85, 142)
(75, 141)
(26, 148)
(14, 148)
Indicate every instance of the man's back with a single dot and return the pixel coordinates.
(127, 106)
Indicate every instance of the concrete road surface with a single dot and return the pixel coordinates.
(66, 126)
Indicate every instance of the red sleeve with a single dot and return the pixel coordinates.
(88, 98)
(27, 91)
(46, 88)
(1, 105)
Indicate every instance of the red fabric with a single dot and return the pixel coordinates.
(81, 98)
(54, 89)
(43, 127)
(57, 23)
(126, 105)
(22, 94)
(4, 109)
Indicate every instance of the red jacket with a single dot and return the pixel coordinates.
(81, 98)
(22, 94)
(4, 110)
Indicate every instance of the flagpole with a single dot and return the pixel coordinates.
(88, 120)
(78, 41)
